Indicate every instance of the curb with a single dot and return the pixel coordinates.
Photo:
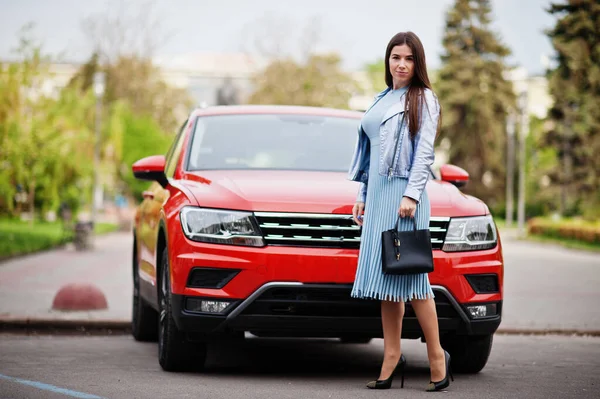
(57, 326)
(548, 331)
(121, 327)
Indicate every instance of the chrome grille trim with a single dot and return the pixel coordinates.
(302, 215)
(307, 227)
(297, 238)
(438, 226)
(326, 230)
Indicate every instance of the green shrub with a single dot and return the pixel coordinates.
(570, 229)
(18, 237)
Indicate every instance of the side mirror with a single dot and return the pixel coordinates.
(455, 175)
(151, 168)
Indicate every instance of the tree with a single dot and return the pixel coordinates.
(142, 111)
(575, 115)
(137, 97)
(318, 82)
(135, 137)
(138, 82)
(120, 32)
(296, 72)
(43, 140)
(124, 42)
(475, 97)
(376, 74)
(83, 79)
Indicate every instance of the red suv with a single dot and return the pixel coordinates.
(247, 227)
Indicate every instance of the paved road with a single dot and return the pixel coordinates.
(544, 367)
(546, 287)
(550, 287)
(28, 284)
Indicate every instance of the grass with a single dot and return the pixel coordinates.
(18, 237)
(501, 223)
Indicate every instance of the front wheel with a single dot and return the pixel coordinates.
(175, 352)
(469, 353)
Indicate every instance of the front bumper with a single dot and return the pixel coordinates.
(323, 310)
(303, 291)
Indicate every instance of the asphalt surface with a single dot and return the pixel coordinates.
(118, 367)
(546, 287)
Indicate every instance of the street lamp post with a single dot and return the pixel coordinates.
(523, 132)
(510, 167)
(99, 93)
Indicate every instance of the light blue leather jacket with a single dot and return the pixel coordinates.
(414, 165)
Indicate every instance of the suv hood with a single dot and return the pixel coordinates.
(312, 192)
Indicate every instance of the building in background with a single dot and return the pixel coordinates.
(539, 100)
(203, 75)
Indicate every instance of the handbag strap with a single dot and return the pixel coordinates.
(400, 131)
(394, 157)
(397, 139)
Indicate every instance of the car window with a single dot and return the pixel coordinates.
(174, 152)
(276, 141)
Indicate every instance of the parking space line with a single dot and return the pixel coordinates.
(51, 388)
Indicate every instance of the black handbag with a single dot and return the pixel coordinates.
(406, 252)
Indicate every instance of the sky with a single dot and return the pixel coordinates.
(357, 30)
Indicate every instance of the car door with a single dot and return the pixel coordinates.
(154, 198)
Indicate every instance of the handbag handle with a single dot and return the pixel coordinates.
(413, 220)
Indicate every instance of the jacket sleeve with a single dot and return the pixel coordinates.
(424, 154)
(362, 193)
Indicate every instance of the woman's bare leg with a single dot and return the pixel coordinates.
(391, 319)
(427, 316)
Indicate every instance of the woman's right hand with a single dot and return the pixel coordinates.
(357, 213)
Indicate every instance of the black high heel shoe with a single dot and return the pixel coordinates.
(387, 383)
(443, 384)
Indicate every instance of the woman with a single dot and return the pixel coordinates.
(391, 161)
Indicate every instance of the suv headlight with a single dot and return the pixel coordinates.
(470, 234)
(220, 226)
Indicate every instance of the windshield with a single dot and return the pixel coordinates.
(282, 142)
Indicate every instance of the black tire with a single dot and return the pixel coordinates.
(469, 354)
(175, 352)
(144, 319)
(355, 340)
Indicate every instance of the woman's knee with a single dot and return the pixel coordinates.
(393, 307)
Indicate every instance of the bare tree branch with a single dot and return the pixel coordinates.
(276, 37)
(121, 31)
(310, 37)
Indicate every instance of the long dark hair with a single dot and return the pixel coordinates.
(420, 80)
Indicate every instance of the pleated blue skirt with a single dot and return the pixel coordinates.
(381, 210)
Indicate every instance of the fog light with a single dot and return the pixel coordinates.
(479, 311)
(206, 305)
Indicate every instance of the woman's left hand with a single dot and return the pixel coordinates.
(408, 207)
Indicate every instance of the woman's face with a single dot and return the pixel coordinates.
(402, 65)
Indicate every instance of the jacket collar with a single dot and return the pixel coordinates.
(396, 108)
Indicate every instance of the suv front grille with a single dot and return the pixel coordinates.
(309, 229)
(326, 230)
